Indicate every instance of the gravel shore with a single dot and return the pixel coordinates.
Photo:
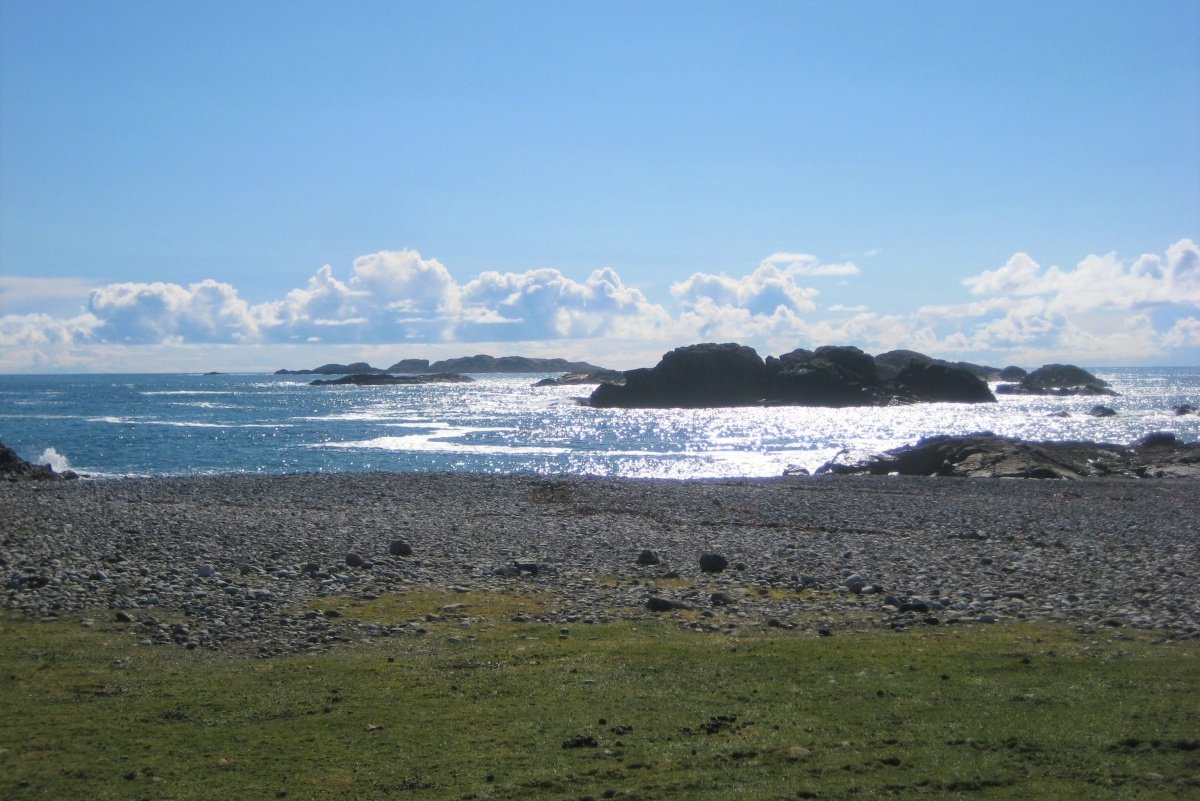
(263, 564)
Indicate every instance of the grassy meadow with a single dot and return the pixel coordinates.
(643, 709)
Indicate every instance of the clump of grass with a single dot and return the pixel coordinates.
(631, 709)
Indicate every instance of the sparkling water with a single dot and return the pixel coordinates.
(118, 425)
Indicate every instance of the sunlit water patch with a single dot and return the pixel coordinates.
(188, 424)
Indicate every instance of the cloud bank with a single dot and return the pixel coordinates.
(1101, 311)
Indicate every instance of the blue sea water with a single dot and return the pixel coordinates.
(122, 425)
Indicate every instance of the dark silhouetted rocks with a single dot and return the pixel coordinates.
(696, 376)
(712, 375)
(890, 364)
(1158, 455)
(1057, 379)
(1013, 373)
(1102, 411)
(586, 377)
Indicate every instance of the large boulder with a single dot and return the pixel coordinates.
(696, 376)
(1058, 379)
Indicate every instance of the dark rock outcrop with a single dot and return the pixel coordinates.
(829, 376)
(410, 366)
(1057, 379)
(1102, 411)
(1158, 455)
(1013, 373)
(587, 377)
(711, 375)
(384, 379)
(696, 376)
(935, 382)
(890, 364)
(14, 468)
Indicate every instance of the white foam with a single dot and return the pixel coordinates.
(54, 460)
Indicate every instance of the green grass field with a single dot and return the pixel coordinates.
(651, 710)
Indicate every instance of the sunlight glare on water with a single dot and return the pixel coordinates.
(188, 424)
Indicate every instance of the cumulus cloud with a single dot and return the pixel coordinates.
(208, 311)
(1101, 310)
(545, 304)
(762, 293)
(1101, 281)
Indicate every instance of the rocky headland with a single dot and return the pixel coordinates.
(274, 565)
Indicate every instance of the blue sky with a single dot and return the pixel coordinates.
(255, 185)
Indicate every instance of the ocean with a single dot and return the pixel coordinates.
(108, 426)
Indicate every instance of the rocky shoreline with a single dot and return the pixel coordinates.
(269, 565)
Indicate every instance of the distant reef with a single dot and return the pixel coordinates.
(378, 379)
(712, 375)
(481, 363)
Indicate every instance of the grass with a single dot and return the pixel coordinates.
(483, 711)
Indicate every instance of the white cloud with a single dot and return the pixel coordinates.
(1101, 281)
(545, 304)
(806, 264)
(761, 293)
(1102, 310)
(208, 311)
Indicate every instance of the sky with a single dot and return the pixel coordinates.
(244, 186)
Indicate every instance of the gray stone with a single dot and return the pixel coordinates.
(648, 557)
(657, 604)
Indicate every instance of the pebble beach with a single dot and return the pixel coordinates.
(271, 565)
